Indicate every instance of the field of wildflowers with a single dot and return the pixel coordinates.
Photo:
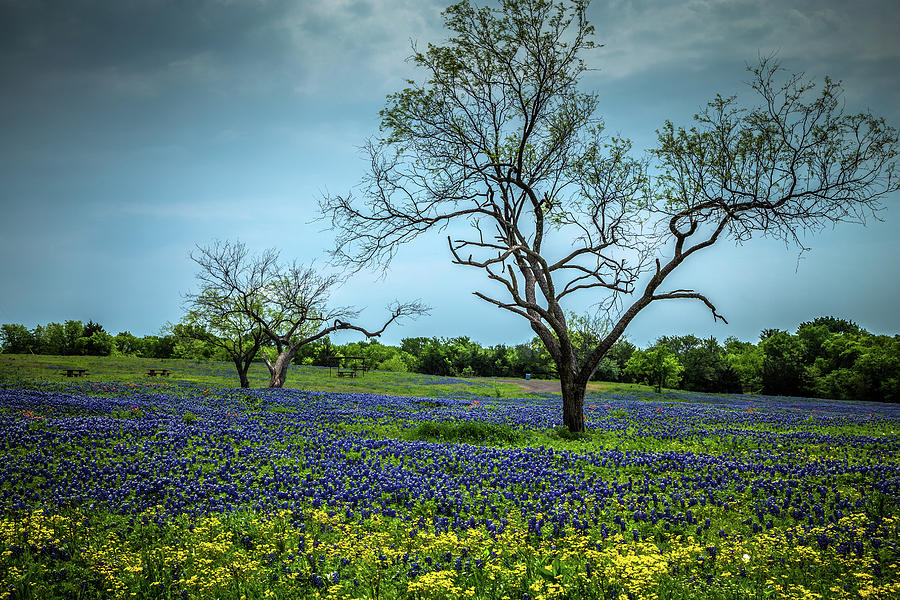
(117, 490)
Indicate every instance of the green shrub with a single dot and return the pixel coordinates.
(562, 432)
(474, 432)
(251, 402)
(394, 363)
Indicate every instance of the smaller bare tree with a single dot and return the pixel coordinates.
(288, 304)
(229, 328)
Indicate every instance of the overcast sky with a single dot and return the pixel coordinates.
(133, 130)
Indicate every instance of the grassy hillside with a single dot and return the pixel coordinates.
(43, 369)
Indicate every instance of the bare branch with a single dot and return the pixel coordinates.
(690, 295)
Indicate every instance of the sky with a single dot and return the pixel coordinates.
(135, 130)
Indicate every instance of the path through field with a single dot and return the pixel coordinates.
(537, 386)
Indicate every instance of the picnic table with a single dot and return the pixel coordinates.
(163, 372)
(349, 366)
(73, 372)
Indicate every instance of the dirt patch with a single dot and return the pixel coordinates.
(535, 386)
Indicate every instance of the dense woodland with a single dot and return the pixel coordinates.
(826, 357)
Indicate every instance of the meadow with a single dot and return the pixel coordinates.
(419, 487)
(30, 369)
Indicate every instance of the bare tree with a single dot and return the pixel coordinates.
(287, 304)
(229, 327)
(501, 136)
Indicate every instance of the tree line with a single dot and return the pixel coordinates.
(826, 357)
(75, 338)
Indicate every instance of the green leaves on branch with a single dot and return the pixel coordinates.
(795, 162)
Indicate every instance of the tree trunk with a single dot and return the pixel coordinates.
(278, 370)
(573, 402)
(242, 372)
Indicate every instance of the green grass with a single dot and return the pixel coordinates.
(476, 432)
(26, 370)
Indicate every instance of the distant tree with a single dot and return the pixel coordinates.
(812, 340)
(504, 363)
(53, 340)
(846, 349)
(413, 345)
(729, 380)
(607, 370)
(306, 355)
(703, 361)
(533, 358)
(39, 337)
(194, 341)
(434, 359)
(703, 366)
(879, 369)
(465, 358)
(371, 351)
(782, 365)
(73, 330)
(326, 353)
(620, 352)
(745, 358)
(679, 345)
(462, 356)
(502, 135)
(99, 343)
(657, 366)
(833, 325)
(17, 339)
(59, 339)
(289, 303)
(394, 363)
(159, 346)
(128, 344)
(90, 328)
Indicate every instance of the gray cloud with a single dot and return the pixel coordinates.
(339, 41)
(140, 35)
(642, 35)
(146, 47)
(139, 46)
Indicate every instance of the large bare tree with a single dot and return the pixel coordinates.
(287, 303)
(501, 135)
